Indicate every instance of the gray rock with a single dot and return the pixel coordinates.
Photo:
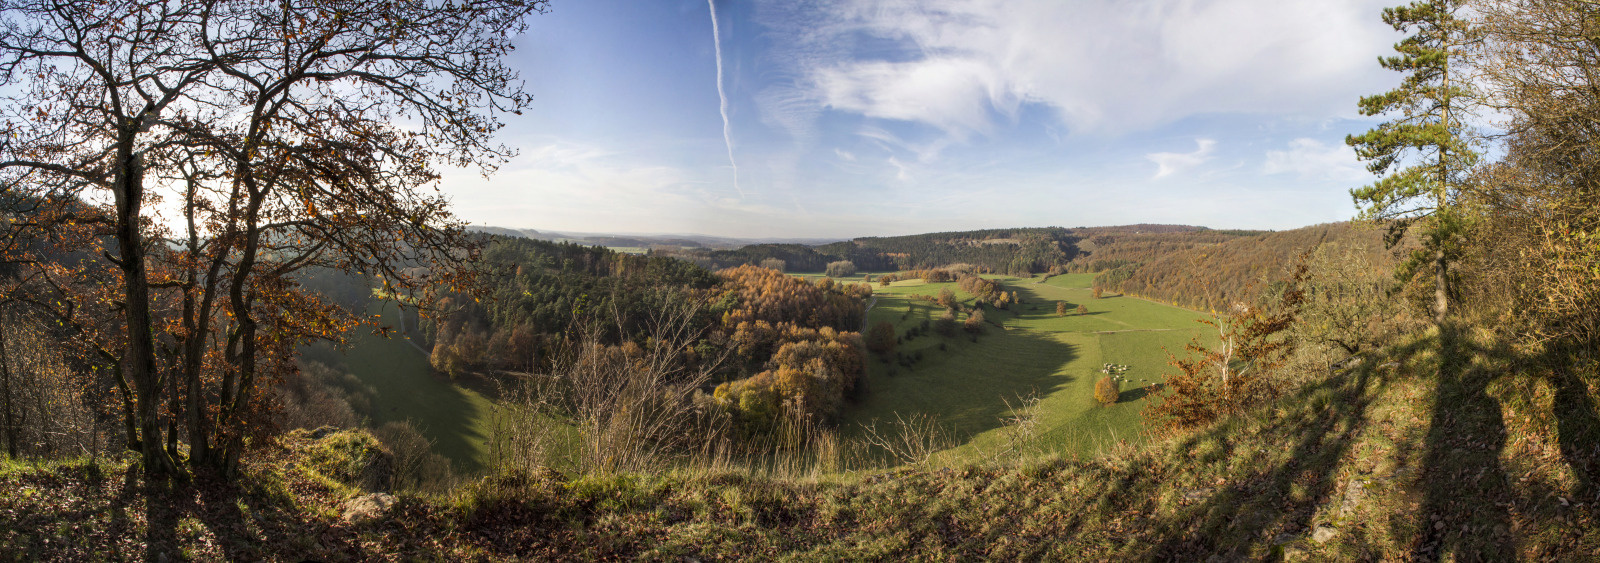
(1323, 533)
(367, 507)
(1355, 493)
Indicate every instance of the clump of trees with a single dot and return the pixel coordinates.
(774, 264)
(1533, 250)
(981, 288)
(841, 269)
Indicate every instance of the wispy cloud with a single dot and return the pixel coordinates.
(1169, 163)
(902, 172)
(958, 65)
(722, 96)
(1312, 159)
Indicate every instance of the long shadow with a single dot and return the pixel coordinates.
(1577, 424)
(1466, 487)
(1276, 498)
(1132, 395)
(968, 385)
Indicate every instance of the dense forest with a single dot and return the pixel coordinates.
(1009, 251)
(1210, 270)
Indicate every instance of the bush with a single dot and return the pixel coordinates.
(841, 269)
(881, 338)
(1106, 391)
(974, 322)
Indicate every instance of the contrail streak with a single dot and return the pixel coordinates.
(727, 129)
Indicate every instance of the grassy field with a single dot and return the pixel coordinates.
(1027, 352)
(454, 417)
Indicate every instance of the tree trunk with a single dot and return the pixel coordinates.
(5, 390)
(1441, 290)
(139, 360)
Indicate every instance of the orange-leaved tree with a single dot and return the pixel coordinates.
(1214, 381)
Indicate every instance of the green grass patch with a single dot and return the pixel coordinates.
(453, 417)
(972, 386)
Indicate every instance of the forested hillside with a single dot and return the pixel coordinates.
(1211, 270)
(1009, 251)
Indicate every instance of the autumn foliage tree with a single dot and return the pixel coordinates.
(1219, 380)
(274, 129)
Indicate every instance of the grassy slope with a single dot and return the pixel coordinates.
(1416, 455)
(454, 417)
(971, 387)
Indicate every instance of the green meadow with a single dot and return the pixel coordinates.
(971, 387)
(454, 417)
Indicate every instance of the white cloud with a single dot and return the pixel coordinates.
(1312, 159)
(1106, 65)
(844, 155)
(1169, 163)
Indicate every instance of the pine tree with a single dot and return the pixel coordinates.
(1423, 153)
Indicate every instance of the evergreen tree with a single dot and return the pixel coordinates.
(1423, 154)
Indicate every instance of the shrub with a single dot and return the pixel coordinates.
(1082, 310)
(974, 323)
(1061, 308)
(881, 338)
(1106, 390)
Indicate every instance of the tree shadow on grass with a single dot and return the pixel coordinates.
(1464, 516)
(973, 388)
(1265, 495)
(1132, 395)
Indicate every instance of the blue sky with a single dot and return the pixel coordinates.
(876, 117)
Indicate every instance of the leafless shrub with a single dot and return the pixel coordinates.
(628, 408)
(46, 406)
(416, 467)
(911, 440)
